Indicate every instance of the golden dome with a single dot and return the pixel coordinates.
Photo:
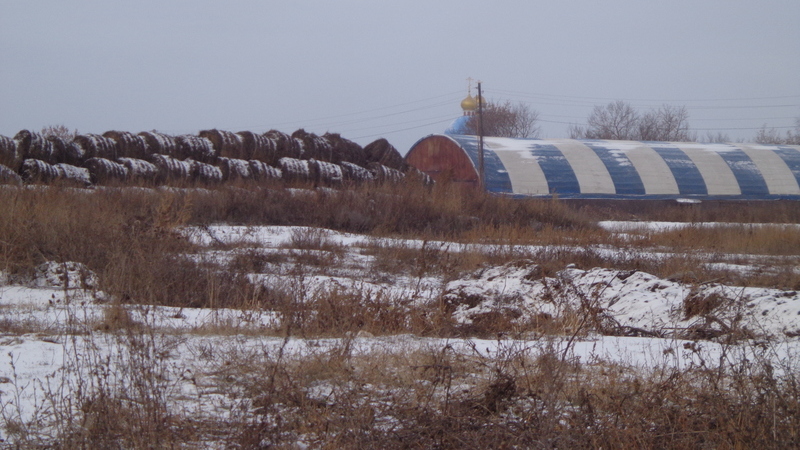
(480, 101)
(469, 104)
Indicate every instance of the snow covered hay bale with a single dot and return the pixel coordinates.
(285, 145)
(295, 170)
(382, 152)
(355, 174)
(33, 145)
(325, 173)
(9, 176)
(234, 169)
(205, 174)
(105, 171)
(129, 145)
(263, 172)
(78, 176)
(171, 169)
(159, 143)
(424, 178)
(197, 148)
(345, 150)
(96, 146)
(383, 174)
(258, 147)
(38, 171)
(315, 147)
(225, 143)
(10, 156)
(140, 170)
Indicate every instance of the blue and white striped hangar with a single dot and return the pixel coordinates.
(571, 168)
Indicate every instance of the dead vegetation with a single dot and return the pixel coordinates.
(340, 394)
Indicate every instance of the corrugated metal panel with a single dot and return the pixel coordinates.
(603, 169)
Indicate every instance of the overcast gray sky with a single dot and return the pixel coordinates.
(369, 69)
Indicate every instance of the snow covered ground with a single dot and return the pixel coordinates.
(55, 334)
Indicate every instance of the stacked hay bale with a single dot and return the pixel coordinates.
(78, 176)
(129, 145)
(67, 152)
(10, 156)
(355, 174)
(325, 173)
(8, 176)
(285, 145)
(262, 172)
(171, 169)
(315, 147)
(105, 171)
(33, 145)
(225, 143)
(197, 148)
(259, 147)
(424, 178)
(140, 170)
(160, 143)
(205, 174)
(38, 171)
(346, 150)
(96, 146)
(384, 174)
(295, 170)
(382, 152)
(234, 169)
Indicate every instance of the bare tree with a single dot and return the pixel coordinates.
(506, 120)
(717, 137)
(60, 131)
(772, 136)
(619, 120)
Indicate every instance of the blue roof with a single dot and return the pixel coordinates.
(458, 127)
(631, 169)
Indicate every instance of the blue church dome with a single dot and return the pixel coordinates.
(458, 127)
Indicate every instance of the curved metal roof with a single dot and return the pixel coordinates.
(601, 168)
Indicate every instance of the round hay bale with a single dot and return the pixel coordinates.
(295, 170)
(105, 171)
(225, 143)
(159, 143)
(263, 172)
(10, 156)
(355, 174)
(38, 171)
(129, 145)
(171, 169)
(59, 147)
(384, 174)
(346, 150)
(205, 174)
(9, 176)
(196, 148)
(79, 176)
(258, 147)
(34, 145)
(234, 169)
(417, 174)
(140, 170)
(315, 147)
(325, 174)
(285, 145)
(96, 146)
(382, 152)
(73, 154)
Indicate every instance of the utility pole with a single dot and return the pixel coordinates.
(481, 175)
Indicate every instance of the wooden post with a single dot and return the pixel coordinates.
(482, 172)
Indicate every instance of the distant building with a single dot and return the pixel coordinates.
(612, 169)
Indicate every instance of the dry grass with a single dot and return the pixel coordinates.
(342, 397)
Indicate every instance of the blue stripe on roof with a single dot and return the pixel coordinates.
(750, 180)
(624, 175)
(557, 171)
(687, 175)
(497, 179)
(791, 156)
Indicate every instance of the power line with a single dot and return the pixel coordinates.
(556, 97)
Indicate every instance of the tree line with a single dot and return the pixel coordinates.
(617, 120)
